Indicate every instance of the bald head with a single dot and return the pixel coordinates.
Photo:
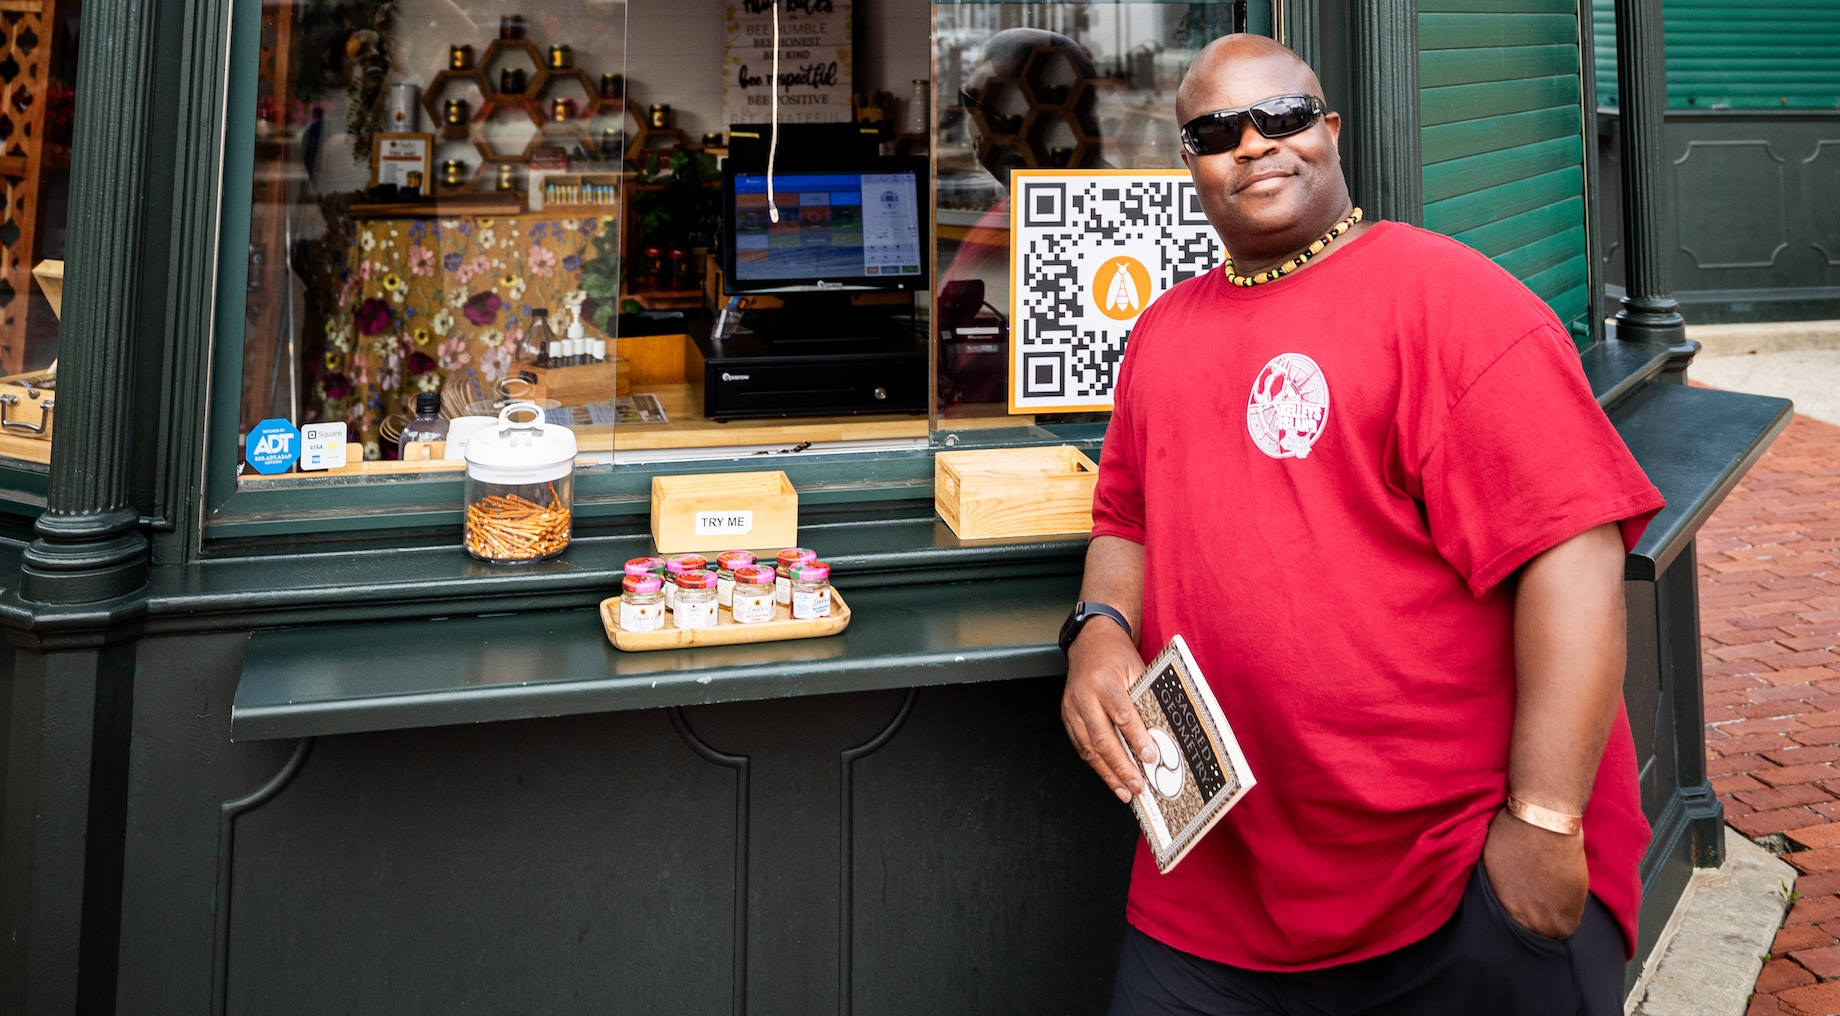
(1267, 197)
(1238, 70)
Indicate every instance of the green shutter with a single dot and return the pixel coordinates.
(1763, 54)
(1500, 104)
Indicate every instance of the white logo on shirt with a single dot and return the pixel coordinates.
(1288, 407)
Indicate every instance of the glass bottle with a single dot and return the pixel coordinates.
(675, 566)
(533, 348)
(811, 590)
(753, 594)
(787, 558)
(641, 603)
(428, 424)
(696, 599)
(726, 563)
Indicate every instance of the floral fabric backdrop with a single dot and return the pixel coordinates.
(427, 303)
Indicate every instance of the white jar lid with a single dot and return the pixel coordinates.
(521, 448)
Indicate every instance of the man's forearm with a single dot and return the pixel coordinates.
(1115, 577)
(1569, 656)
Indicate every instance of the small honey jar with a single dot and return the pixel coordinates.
(613, 86)
(453, 173)
(661, 116)
(511, 81)
(511, 26)
(561, 58)
(505, 182)
(460, 58)
(454, 113)
(561, 109)
(412, 180)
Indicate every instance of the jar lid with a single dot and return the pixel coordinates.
(641, 585)
(696, 578)
(815, 571)
(754, 575)
(521, 448)
(729, 560)
(644, 565)
(794, 555)
(686, 562)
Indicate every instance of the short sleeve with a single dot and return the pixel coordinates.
(1526, 460)
(1118, 498)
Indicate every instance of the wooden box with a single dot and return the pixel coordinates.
(1014, 492)
(583, 383)
(28, 402)
(724, 511)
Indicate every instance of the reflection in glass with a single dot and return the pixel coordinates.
(1038, 86)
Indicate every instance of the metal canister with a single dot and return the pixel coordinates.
(404, 110)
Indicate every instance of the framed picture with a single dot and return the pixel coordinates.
(395, 156)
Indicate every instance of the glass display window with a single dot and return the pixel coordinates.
(1061, 195)
(605, 208)
(38, 67)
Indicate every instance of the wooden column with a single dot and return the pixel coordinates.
(1388, 171)
(89, 546)
(1649, 312)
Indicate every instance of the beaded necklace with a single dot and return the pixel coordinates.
(1274, 274)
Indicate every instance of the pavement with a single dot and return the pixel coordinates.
(1769, 564)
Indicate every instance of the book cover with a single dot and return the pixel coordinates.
(1199, 772)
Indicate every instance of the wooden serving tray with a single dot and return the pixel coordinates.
(727, 631)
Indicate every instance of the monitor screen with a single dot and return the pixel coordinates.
(833, 227)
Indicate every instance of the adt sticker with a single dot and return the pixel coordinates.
(272, 446)
(322, 446)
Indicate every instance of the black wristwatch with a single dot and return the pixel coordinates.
(1084, 612)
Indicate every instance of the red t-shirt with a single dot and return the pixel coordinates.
(1331, 477)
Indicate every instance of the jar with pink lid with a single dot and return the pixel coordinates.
(753, 596)
(642, 603)
(811, 590)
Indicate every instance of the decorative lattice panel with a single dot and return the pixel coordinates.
(26, 51)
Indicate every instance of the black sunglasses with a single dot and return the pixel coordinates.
(1276, 117)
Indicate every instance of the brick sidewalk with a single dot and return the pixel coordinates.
(1770, 630)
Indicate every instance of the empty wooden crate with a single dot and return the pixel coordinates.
(724, 511)
(1014, 492)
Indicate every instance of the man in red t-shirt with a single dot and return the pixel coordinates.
(1360, 471)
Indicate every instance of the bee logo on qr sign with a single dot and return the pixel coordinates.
(1090, 250)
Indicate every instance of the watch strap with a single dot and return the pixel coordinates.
(1085, 611)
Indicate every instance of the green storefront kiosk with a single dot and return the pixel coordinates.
(274, 742)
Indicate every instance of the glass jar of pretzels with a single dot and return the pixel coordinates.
(520, 482)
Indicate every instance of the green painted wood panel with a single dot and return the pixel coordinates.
(1471, 31)
(1467, 66)
(1464, 176)
(1764, 54)
(1493, 204)
(1454, 103)
(1502, 128)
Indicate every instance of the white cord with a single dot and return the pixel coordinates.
(773, 142)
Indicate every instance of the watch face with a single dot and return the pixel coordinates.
(1071, 627)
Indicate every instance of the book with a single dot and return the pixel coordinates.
(1199, 772)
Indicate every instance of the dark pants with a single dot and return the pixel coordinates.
(1480, 961)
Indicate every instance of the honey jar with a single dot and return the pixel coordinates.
(561, 58)
(455, 113)
(460, 58)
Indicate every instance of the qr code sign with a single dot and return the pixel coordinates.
(1091, 249)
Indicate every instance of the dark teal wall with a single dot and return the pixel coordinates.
(1500, 104)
